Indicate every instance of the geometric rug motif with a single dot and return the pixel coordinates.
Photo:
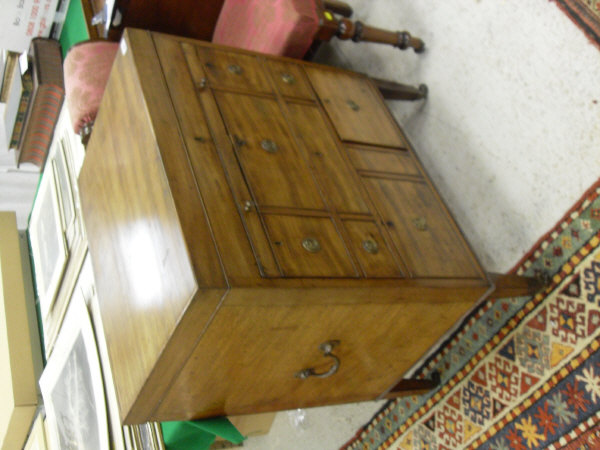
(520, 373)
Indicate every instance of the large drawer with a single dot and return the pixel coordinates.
(249, 357)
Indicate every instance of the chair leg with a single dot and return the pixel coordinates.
(358, 31)
(337, 7)
(390, 90)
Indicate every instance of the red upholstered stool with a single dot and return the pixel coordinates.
(289, 27)
(86, 70)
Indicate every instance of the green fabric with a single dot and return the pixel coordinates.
(74, 29)
(198, 434)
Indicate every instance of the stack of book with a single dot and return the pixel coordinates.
(11, 88)
(40, 108)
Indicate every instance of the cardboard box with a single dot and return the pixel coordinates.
(249, 425)
(20, 350)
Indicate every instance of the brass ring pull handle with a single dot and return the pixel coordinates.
(269, 146)
(370, 246)
(235, 69)
(353, 105)
(326, 348)
(288, 78)
(420, 223)
(311, 245)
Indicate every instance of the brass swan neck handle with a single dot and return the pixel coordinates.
(326, 348)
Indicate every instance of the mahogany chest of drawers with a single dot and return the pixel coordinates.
(242, 211)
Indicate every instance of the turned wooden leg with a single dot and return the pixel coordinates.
(413, 387)
(358, 31)
(510, 285)
(390, 90)
(337, 7)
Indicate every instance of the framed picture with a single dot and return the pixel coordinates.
(48, 246)
(63, 185)
(72, 386)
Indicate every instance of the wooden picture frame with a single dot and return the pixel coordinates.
(72, 385)
(62, 176)
(48, 245)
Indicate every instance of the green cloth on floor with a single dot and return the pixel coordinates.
(198, 434)
(74, 29)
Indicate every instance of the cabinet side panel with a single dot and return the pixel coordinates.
(175, 160)
(144, 275)
(189, 331)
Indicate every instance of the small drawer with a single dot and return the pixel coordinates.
(355, 107)
(370, 248)
(430, 244)
(290, 80)
(233, 70)
(397, 161)
(308, 246)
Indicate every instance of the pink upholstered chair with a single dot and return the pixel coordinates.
(289, 27)
(86, 70)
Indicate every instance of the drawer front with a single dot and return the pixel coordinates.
(290, 79)
(397, 161)
(255, 352)
(308, 246)
(355, 108)
(274, 168)
(232, 70)
(429, 243)
(335, 174)
(370, 248)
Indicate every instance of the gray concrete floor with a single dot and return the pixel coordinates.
(509, 134)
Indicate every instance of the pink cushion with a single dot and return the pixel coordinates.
(86, 68)
(276, 27)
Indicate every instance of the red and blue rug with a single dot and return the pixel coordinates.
(521, 373)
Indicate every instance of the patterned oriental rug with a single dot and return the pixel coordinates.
(585, 14)
(521, 373)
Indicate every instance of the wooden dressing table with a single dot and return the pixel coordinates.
(263, 236)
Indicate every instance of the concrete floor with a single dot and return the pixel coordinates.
(509, 134)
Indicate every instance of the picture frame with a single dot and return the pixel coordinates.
(48, 244)
(63, 187)
(72, 385)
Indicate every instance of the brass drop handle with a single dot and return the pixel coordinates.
(326, 348)
(235, 69)
(288, 78)
(269, 146)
